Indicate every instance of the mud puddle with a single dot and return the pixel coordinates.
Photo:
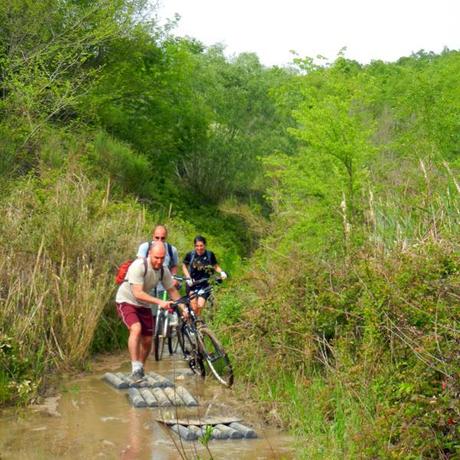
(92, 420)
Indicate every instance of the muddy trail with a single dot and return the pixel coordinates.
(90, 419)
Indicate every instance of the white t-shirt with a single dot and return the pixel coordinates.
(137, 275)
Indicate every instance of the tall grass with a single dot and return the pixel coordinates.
(358, 354)
(59, 243)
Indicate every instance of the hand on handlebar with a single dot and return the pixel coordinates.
(223, 275)
(189, 282)
(165, 304)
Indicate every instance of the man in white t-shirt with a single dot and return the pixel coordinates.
(133, 303)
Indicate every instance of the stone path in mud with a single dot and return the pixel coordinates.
(156, 391)
(89, 418)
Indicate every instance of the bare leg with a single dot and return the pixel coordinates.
(134, 342)
(194, 304)
(199, 306)
(145, 347)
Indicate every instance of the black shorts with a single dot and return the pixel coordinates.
(196, 288)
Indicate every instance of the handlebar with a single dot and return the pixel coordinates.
(197, 282)
(187, 298)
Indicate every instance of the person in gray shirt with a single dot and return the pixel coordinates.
(133, 300)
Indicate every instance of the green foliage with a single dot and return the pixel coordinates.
(359, 272)
(127, 171)
(18, 377)
(337, 182)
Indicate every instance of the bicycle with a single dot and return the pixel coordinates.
(200, 345)
(166, 328)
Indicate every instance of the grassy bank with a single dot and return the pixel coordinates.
(356, 348)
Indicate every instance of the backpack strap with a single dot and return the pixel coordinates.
(208, 255)
(170, 254)
(145, 266)
(192, 258)
(162, 272)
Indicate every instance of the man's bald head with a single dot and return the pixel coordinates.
(160, 233)
(157, 254)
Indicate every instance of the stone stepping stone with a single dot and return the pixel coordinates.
(222, 428)
(160, 381)
(160, 397)
(122, 381)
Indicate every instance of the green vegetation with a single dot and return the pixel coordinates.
(349, 327)
(328, 191)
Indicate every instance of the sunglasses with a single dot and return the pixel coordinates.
(162, 238)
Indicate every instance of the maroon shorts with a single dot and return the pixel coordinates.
(131, 314)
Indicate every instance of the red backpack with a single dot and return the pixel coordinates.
(120, 277)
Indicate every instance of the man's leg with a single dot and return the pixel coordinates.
(139, 323)
(145, 347)
(134, 342)
(200, 305)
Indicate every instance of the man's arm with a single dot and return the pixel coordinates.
(185, 271)
(173, 271)
(222, 274)
(142, 296)
(175, 295)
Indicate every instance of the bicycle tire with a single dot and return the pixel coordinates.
(191, 350)
(180, 337)
(216, 357)
(159, 339)
(173, 339)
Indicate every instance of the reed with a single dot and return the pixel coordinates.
(59, 244)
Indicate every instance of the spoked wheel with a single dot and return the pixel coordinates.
(209, 311)
(216, 358)
(173, 339)
(192, 355)
(160, 337)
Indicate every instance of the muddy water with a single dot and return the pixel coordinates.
(91, 420)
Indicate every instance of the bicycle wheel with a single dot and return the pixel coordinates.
(216, 357)
(173, 339)
(209, 310)
(160, 336)
(192, 354)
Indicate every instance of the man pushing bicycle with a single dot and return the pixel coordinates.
(133, 303)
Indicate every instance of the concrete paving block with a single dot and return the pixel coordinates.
(136, 398)
(232, 434)
(149, 397)
(163, 381)
(247, 432)
(184, 433)
(219, 434)
(197, 430)
(188, 399)
(163, 400)
(115, 381)
(175, 399)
